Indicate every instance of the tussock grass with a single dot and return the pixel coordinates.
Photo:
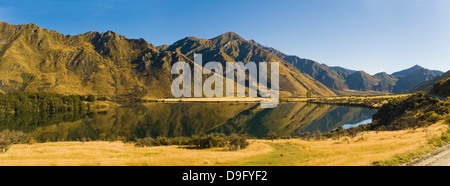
(363, 149)
(118, 153)
(435, 142)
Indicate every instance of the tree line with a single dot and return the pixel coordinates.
(20, 102)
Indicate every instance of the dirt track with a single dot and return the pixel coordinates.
(439, 158)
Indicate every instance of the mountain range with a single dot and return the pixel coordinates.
(36, 59)
(346, 80)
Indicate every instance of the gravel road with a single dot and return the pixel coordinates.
(439, 158)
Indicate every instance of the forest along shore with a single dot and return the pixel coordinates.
(373, 102)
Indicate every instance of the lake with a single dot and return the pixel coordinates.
(186, 119)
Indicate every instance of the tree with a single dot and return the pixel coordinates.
(309, 94)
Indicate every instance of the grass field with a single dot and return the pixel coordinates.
(362, 150)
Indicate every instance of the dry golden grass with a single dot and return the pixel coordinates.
(364, 149)
(118, 153)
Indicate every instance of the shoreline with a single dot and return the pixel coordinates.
(223, 99)
(370, 102)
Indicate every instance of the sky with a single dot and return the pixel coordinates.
(369, 35)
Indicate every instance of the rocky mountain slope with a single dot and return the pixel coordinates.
(342, 79)
(231, 47)
(428, 85)
(36, 59)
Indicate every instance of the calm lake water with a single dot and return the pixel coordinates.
(187, 119)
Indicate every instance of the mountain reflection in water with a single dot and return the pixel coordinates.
(186, 119)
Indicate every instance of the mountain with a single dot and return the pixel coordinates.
(361, 81)
(230, 47)
(39, 60)
(386, 82)
(346, 80)
(413, 79)
(342, 70)
(328, 77)
(35, 59)
(407, 71)
(437, 72)
(397, 82)
(414, 69)
(319, 72)
(428, 85)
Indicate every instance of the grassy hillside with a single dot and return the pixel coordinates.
(415, 111)
(442, 88)
(33, 59)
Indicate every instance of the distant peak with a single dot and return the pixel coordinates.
(110, 32)
(408, 71)
(417, 67)
(229, 36)
(381, 74)
(361, 72)
(192, 38)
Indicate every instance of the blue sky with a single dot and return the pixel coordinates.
(369, 35)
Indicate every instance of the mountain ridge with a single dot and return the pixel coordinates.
(36, 59)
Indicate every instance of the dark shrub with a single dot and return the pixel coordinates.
(236, 142)
(90, 98)
(144, 142)
(232, 142)
(415, 111)
(8, 138)
(273, 136)
(210, 140)
(162, 141)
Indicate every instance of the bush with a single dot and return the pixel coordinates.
(90, 98)
(430, 117)
(417, 110)
(83, 98)
(439, 141)
(8, 138)
(104, 98)
(209, 141)
(232, 142)
(273, 136)
(162, 141)
(236, 142)
(406, 122)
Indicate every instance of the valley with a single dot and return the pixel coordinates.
(99, 93)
